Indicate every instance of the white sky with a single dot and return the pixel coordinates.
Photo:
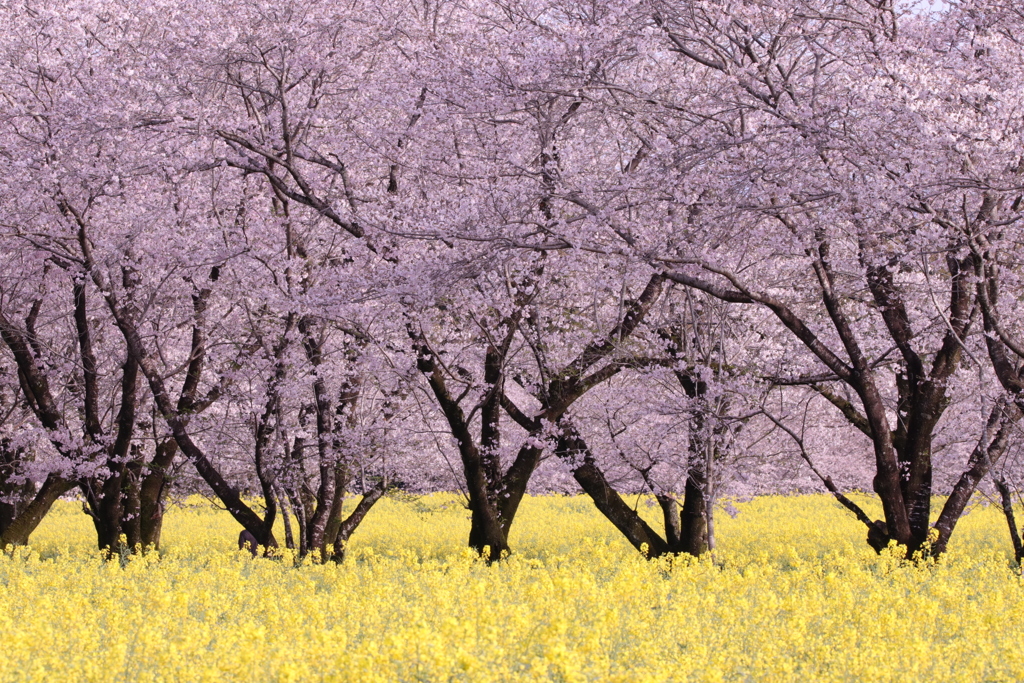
(925, 5)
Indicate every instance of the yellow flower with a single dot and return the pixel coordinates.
(792, 593)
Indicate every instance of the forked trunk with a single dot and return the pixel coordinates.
(687, 530)
(331, 520)
(486, 535)
(352, 522)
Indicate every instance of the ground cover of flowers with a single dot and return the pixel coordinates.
(793, 593)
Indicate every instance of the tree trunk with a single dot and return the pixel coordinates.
(694, 537)
(697, 496)
(326, 498)
(299, 507)
(110, 514)
(177, 418)
(22, 526)
(670, 512)
(484, 533)
(13, 496)
(115, 506)
(486, 530)
(988, 451)
(342, 480)
(514, 483)
(131, 513)
(286, 519)
(574, 451)
(152, 492)
(351, 523)
(1007, 502)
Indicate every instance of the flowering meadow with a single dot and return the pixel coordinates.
(792, 593)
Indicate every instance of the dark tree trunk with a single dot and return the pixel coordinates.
(565, 387)
(485, 508)
(487, 533)
(574, 451)
(514, 483)
(320, 521)
(334, 518)
(113, 502)
(693, 538)
(903, 457)
(177, 414)
(494, 496)
(14, 495)
(298, 495)
(152, 492)
(670, 513)
(286, 519)
(22, 526)
(300, 521)
(686, 531)
(327, 494)
(348, 526)
(1006, 499)
(131, 513)
(102, 510)
(988, 451)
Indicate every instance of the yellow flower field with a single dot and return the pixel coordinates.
(793, 594)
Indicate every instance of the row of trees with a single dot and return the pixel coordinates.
(310, 251)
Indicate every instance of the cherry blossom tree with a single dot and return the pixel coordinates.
(281, 242)
(856, 221)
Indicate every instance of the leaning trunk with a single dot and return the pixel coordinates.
(1011, 521)
(573, 450)
(988, 451)
(21, 527)
(351, 523)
